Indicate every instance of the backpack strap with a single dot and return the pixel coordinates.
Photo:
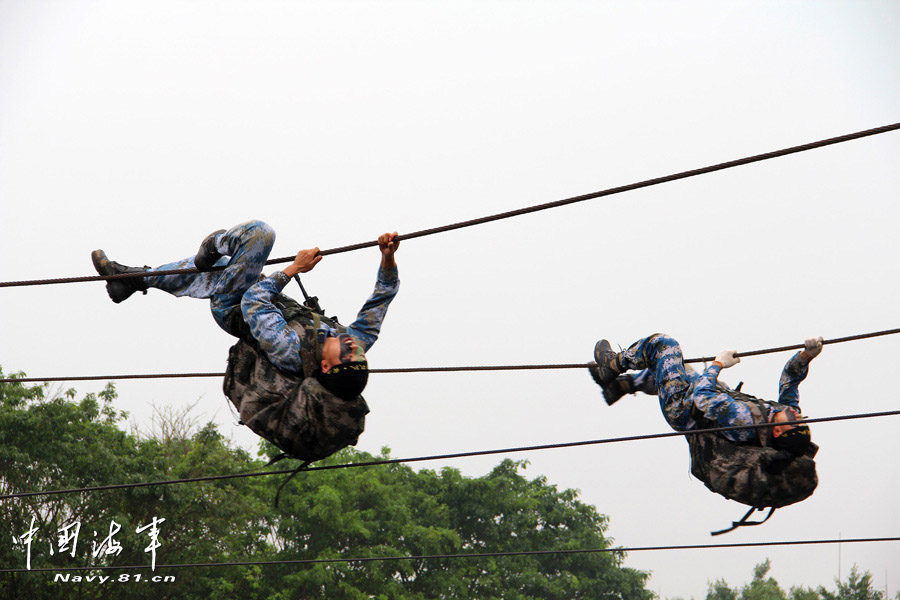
(744, 522)
(761, 410)
(310, 352)
(317, 320)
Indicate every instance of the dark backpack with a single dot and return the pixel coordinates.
(296, 413)
(756, 475)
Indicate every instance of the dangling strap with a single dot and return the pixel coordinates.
(276, 458)
(309, 302)
(302, 467)
(744, 522)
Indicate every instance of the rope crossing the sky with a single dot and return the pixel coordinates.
(365, 559)
(705, 359)
(508, 214)
(392, 461)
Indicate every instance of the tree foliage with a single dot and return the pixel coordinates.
(857, 587)
(52, 441)
(763, 587)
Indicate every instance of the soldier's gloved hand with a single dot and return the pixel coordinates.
(727, 358)
(813, 347)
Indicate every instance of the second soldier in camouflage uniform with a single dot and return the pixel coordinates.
(760, 467)
(686, 395)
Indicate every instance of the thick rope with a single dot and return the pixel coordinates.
(705, 359)
(393, 461)
(508, 214)
(365, 559)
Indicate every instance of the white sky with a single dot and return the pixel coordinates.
(139, 127)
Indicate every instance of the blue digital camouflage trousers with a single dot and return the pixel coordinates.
(682, 390)
(245, 249)
(662, 356)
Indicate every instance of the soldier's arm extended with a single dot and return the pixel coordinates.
(367, 325)
(795, 371)
(719, 407)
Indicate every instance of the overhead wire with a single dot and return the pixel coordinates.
(451, 369)
(365, 559)
(507, 214)
(392, 461)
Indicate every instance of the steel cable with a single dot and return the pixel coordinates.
(448, 456)
(705, 359)
(511, 213)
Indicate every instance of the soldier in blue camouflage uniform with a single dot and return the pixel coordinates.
(682, 391)
(241, 301)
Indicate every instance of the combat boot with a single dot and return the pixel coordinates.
(118, 289)
(605, 372)
(607, 368)
(207, 255)
(623, 384)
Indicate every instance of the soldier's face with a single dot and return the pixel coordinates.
(341, 349)
(788, 414)
(350, 351)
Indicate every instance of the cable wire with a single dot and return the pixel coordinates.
(119, 486)
(365, 559)
(508, 214)
(704, 359)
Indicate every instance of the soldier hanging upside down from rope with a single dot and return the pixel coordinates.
(761, 467)
(295, 376)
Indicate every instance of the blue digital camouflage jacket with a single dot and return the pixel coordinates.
(281, 344)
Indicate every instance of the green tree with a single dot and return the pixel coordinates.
(392, 510)
(762, 587)
(857, 587)
(52, 440)
(803, 593)
(720, 590)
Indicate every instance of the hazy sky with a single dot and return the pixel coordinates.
(139, 127)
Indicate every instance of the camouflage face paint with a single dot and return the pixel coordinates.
(351, 351)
